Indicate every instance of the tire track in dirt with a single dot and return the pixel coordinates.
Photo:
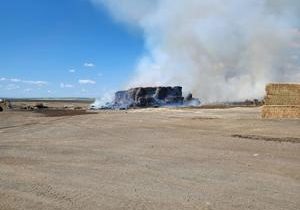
(66, 199)
(267, 138)
(39, 194)
(47, 122)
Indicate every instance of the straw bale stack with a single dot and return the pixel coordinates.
(282, 101)
(280, 111)
(283, 89)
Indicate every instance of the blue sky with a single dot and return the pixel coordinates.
(61, 48)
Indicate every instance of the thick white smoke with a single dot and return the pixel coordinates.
(220, 50)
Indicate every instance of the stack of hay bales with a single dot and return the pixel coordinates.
(282, 101)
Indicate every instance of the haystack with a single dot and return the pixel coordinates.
(282, 101)
(280, 111)
(283, 89)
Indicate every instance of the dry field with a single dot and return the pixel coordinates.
(149, 159)
(54, 104)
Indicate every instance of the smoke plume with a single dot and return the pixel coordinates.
(218, 50)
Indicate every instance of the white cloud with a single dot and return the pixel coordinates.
(15, 80)
(12, 87)
(27, 90)
(38, 83)
(90, 65)
(63, 85)
(86, 81)
(30, 82)
(72, 70)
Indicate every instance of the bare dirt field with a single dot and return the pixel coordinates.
(149, 159)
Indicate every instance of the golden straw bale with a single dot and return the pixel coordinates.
(282, 100)
(277, 111)
(283, 89)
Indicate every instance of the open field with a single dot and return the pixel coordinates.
(149, 159)
(55, 104)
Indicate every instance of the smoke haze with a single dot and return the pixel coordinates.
(218, 50)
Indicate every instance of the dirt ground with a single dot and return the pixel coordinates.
(59, 104)
(149, 159)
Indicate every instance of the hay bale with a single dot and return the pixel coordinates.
(280, 111)
(283, 89)
(4, 105)
(282, 99)
(148, 97)
(40, 106)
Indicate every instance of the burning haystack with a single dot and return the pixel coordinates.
(282, 101)
(143, 97)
